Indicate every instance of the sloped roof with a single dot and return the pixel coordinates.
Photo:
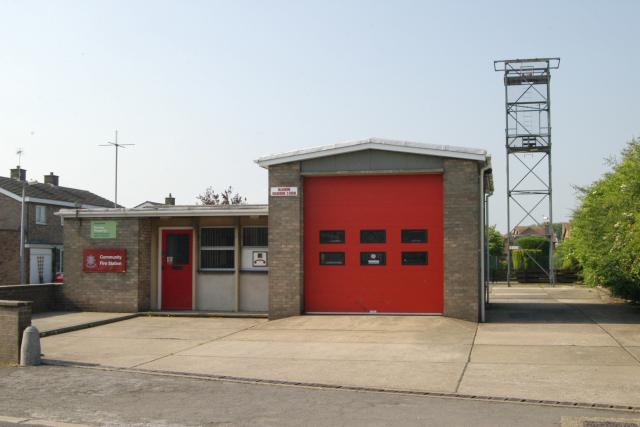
(147, 204)
(42, 193)
(376, 144)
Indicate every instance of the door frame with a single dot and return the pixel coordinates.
(193, 264)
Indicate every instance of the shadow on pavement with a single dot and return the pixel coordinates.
(567, 313)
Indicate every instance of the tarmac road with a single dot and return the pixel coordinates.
(112, 398)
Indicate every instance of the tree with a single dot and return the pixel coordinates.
(496, 242)
(226, 197)
(497, 257)
(605, 233)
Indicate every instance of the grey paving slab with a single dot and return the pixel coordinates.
(626, 335)
(541, 296)
(399, 375)
(552, 355)
(543, 334)
(517, 314)
(575, 383)
(563, 295)
(134, 331)
(80, 344)
(117, 360)
(635, 351)
(63, 319)
(533, 302)
(517, 291)
(369, 323)
(198, 322)
(401, 337)
(333, 351)
(609, 313)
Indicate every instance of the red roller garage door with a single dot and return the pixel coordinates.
(373, 244)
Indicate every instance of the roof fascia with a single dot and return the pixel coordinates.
(150, 212)
(368, 146)
(58, 203)
(10, 194)
(28, 199)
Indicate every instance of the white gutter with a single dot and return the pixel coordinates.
(191, 211)
(483, 283)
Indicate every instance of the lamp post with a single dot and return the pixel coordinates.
(24, 184)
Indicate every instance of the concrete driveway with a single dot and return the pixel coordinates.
(563, 343)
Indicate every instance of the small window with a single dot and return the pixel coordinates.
(373, 258)
(217, 236)
(217, 259)
(41, 215)
(414, 236)
(331, 258)
(62, 221)
(178, 248)
(217, 248)
(331, 236)
(255, 236)
(373, 236)
(414, 258)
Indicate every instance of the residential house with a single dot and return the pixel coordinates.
(43, 254)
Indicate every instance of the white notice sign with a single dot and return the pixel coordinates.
(284, 191)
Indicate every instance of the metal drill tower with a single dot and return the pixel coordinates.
(528, 143)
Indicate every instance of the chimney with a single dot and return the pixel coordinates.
(170, 200)
(19, 174)
(51, 179)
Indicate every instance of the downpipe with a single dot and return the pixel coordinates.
(483, 281)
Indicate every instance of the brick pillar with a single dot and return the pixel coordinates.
(286, 273)
(144, 265)
(15, 317)
(461, 185)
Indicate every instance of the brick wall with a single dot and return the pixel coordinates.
(9, 213)
(51, 232)
(15, 317)
(9, 240)
(112, 292)
(45, 297)
(9, 257)
(286, 289)
(461, 239)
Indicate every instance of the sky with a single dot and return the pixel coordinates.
(203, 88)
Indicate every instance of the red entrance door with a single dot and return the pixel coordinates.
(177, 269)
(374, 244)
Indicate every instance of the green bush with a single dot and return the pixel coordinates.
(605, 232)
(537, 247)
(564, 256)
(520, 257)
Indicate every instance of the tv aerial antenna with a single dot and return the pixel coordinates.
(115, 144)
(20, 152)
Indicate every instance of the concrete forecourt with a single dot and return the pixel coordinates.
(553, 344)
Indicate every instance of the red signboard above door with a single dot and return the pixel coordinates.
(104, 260)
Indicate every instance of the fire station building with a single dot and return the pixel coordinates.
(372, 226)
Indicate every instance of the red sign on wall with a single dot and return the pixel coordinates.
(104, 260)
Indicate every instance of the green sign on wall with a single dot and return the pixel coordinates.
(103, 229)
